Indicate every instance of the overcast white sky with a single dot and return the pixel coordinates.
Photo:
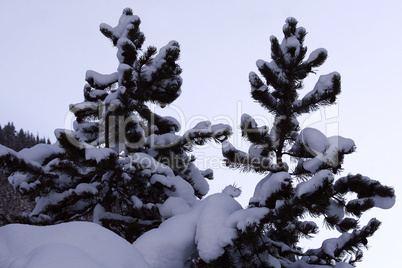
(46, 47)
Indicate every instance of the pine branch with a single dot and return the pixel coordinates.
(203, 132)
(237, 159)
(323, 94)
(256, 135)
(259, 91)
(266, 100)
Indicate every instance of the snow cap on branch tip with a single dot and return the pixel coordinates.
(247, 119)
(260, 64)
(128, 11)
(269, 185)
(313, 140)
(316, 182)
(126, 19)
(291, 20)
(290, 26)
(232, 190)
(315, 54)
(227, 146)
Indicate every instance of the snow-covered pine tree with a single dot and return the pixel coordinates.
(286, 195)
(122, 161)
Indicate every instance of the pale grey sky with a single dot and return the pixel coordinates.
(46, 47)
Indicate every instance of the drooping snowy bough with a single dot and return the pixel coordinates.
(122, 161)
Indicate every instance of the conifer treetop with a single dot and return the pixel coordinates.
(279, 94)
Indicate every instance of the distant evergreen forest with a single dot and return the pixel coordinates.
(18, 140)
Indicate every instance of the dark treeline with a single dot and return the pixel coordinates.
(18, 140)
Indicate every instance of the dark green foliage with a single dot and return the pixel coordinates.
(18, 140)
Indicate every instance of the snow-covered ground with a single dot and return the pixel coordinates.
(73, 244)
(207, 227)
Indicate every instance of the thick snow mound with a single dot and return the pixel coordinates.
(269, 185)
(207, 228)
(39, 152)
(73, 244)
(313, 140)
